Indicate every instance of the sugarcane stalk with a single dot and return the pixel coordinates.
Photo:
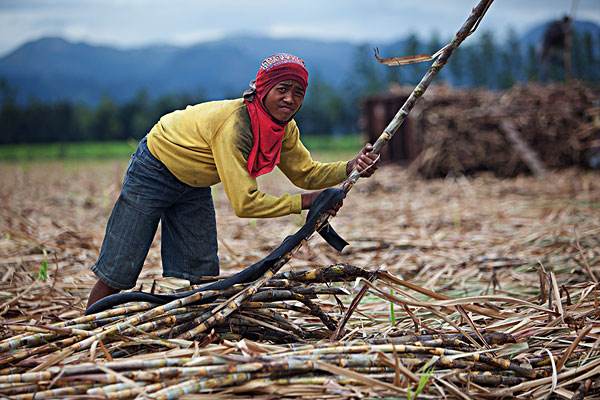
(175, 372)
(127, 393)
(235, 375)
(36, 339)
(170, 319)
(46, 328)
(276, 318)
(115, 387)
(332, 273)
(490, 379)
(47, 348)
(55, 393)
(283, 306)
(28, 377)
(17, 389)
(122, 365)
(196, 385)
(297, 336)
(317, 290)
(273, 295)
(466, 29)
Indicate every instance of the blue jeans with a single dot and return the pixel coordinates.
(151, 194)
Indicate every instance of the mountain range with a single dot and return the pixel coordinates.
(52, 68)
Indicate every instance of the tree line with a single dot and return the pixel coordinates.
(488, 63)
(64, 121)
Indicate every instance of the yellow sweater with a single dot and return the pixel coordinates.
(209, 143)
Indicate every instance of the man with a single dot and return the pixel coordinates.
(187, 151)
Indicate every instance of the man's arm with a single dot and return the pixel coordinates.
(297, 164)
(241, 189)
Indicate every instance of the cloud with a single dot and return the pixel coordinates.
(138, 22)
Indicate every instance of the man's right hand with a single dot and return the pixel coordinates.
(310, 197)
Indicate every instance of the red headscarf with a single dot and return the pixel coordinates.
(268, 132)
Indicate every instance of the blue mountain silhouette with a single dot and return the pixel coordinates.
(53, 68)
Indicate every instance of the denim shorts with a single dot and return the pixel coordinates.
(151, 193)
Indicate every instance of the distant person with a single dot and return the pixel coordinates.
(231, 141)
(556, 45)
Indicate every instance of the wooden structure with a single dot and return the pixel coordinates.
(378, 111)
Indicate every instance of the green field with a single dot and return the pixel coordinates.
(325, 146)
(67, 151)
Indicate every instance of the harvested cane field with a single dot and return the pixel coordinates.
(467, 288)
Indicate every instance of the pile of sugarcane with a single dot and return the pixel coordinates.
(467, 131)
(297, 337)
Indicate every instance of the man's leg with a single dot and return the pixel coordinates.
(189, 237)
(148, 189)
(129, 234)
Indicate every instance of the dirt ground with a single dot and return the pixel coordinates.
(458, 236)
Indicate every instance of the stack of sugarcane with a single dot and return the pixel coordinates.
(481, 346)
(467, 131)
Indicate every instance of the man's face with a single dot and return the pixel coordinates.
(284, 100)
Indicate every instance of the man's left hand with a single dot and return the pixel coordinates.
(366, 162)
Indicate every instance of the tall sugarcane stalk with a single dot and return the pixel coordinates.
(466, 29)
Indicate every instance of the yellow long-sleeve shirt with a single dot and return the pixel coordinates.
(209, 143)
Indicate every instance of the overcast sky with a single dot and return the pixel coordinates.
(131, 23)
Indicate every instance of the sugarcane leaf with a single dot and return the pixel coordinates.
(405, 60)
(423, 380)
(43, 270)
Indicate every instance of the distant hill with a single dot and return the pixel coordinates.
(54, 69)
